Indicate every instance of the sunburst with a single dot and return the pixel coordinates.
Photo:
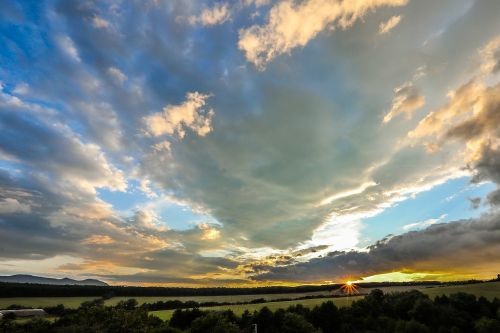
(349, 288)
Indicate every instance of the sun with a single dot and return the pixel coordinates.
(349, 288)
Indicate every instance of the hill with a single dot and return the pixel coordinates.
(51, 281)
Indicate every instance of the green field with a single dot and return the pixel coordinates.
(74, 302)
(489, 290)
(239, 309)
(41, 302)
(219, 299)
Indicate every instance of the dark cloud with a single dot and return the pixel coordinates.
(494, 198)
(475, 202)
(163, 279)
(461, 246)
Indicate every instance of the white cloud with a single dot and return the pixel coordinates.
(117, 75)
(175, 119)
(208, 232)
(21, 89)
(491, 56)
(99, 22)
(407, 99)
(424, 224)
(347, 193)
(257, 3)
(98, 240)
(12, 206)
(217, 14)
(291, 25)
(66, 44)
(145, 186)
(388, 25)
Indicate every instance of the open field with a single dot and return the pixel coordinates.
(239, 309)
(41, 302)
(219, 299)
(74, 302)
(489, 290)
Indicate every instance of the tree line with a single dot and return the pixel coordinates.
(42, 290)
(405, 312)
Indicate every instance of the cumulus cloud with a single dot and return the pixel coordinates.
(291, 25)
(209, 232)
(388, 25)
(176, 119)
(471, 116)
(407, 99)
(66, 157)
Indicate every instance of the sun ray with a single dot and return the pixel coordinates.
(349, 288)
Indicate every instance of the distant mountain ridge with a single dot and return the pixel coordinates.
(20, 278)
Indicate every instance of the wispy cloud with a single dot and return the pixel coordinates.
(390, 24)
(424, 224)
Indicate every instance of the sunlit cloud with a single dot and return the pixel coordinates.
(217, 14)
(390, 24)
(291, 25)
(175, 119)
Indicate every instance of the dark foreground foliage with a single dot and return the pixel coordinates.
(408, 312)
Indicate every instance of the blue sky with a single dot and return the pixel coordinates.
(447, 202)
(249, 142)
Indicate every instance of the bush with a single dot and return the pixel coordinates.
(214, 322)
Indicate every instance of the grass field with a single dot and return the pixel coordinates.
(239, 309)
(488, 290)
(220, 299)
(41, 302)
(74, 302)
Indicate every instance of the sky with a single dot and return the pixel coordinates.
(250, 142)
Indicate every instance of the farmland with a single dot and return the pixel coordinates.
(239, 309)
(41, 302)
(488, 290)
(74, 302)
